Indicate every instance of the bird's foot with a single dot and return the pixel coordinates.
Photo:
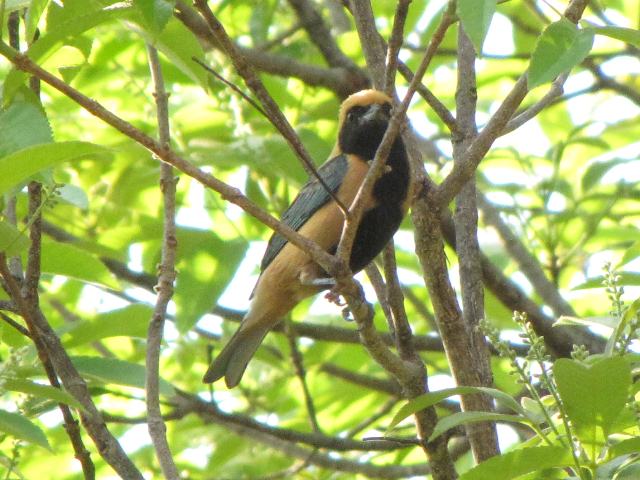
(334, 297)
(346, 314)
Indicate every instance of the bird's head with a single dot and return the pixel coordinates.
(364, 118)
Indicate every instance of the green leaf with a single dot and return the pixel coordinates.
(63, 34)
(629, 314)
(119, 372)
(19, 166)
(608, 322)
(593, 395)
(630, 254)
(74, 195)
(260, 21)
(431, 398)
(627, 35)
(625, 447)
(180, 46)
(22, 428)
(560, 47)
(476, 16)
(22, 124)
(597, 170)
(629, 472)
(34, 12)
(464, 418)
(42, 391)
(626, 279)
(130, 321)
(206, 267)
(71, 261)
(13, 5)
(12, 241)
(519, 462)
(156, 13)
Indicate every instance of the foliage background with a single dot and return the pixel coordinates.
(563, 187)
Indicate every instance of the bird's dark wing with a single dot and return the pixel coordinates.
(312, 196)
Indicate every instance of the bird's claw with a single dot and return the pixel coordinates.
(334, 297)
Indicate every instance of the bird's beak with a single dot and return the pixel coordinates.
(375, 114)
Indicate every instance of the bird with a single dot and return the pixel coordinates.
(288, 275)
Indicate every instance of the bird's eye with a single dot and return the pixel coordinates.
(386, 108)
(355, 112)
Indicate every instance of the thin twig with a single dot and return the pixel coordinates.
(436, 105)
(375, 277)
(376, 168)
(415, 384)
(420, 308)
(275, 115)
(301, 373)
(554, 92)
(167, 155)
(8, 305)
(395, 43)
(232, 86)
(371, 419)
(385, 385)
(166, 277)
(279, 39)
(327, 332)
(401, 328)
(15, 262)
(466, 168)
(525, 260)
(30, 298)
(211, 412)
(343, 81)
(320, 34)
(15, 325)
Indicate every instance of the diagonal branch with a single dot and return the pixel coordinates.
(164, 153)
(466, 168)
(374, 50)
(395, 43)
(525, 260)
(397, 120)
(341, 80)
(320, 34)
(92, 421)
(275, 115)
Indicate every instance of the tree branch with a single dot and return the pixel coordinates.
(482, 436)
(374, 50)
(275, 115)
(340, 80)
(210, 411)
(92, 421)
(167, 155)
(525, 260)
(395, 43)
(301, 373)
(364, 16)
(554, 92)
(166, 277)
(466, 168)
(320, 35)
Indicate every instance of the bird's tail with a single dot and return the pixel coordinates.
(232, 361)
